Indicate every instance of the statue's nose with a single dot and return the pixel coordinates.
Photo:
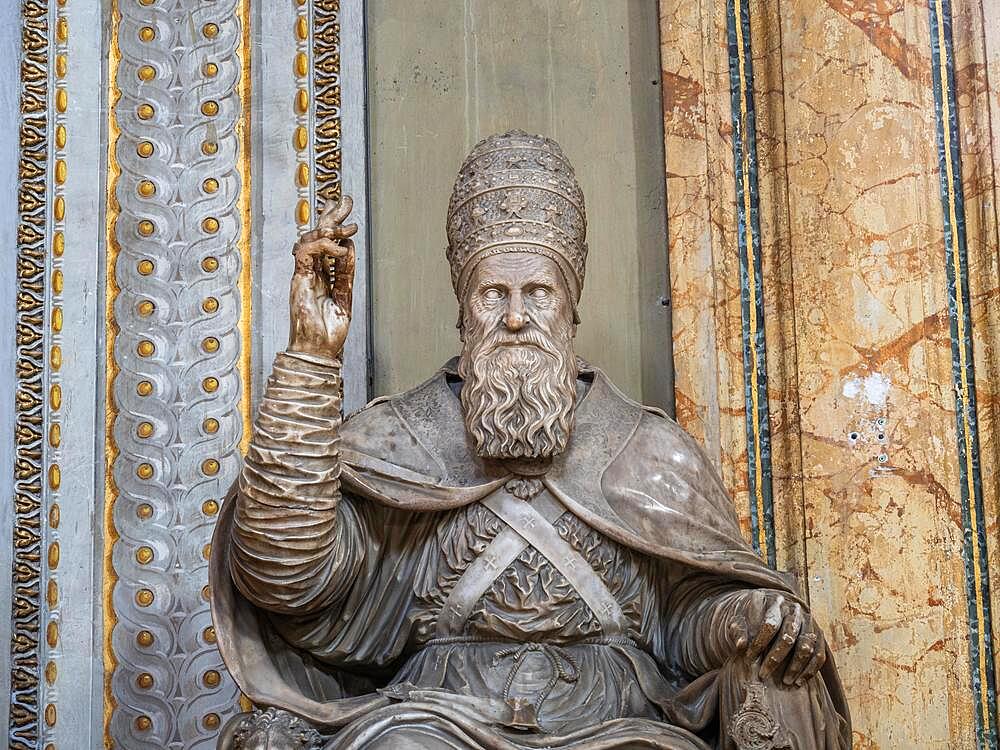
(516, 317)
(515, 321)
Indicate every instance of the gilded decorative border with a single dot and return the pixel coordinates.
(178, 338)
(758, 429)
(317, 107)
(302, 136)
(243, 134)
(51, 648)
(29, 387)
(977, 584)
(111, 290)
(326, 94)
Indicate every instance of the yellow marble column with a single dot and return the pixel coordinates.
(870, 210)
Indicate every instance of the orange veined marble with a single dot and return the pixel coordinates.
(859, 363)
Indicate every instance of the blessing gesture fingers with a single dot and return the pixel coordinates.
(323, 283)
(781, 630)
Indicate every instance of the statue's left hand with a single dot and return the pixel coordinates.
(766, 622)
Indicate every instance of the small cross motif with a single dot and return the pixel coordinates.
(552, 212)
(514, 161)
(569, 563)
(527, 521)
(549, 163)
(491, 562)
(514, 205)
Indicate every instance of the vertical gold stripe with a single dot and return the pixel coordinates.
(111, 370)
(53, 449)
(246, 290)
(304, 135)
(946, 95)
(752, 284)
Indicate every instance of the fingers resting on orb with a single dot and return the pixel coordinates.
(769, 623)
(815, 663)
(802, 654)
(793, 647)
(787, 636)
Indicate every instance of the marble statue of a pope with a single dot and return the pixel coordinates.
(511, 555)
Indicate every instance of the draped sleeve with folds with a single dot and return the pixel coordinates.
(338, 549)
(293, 551)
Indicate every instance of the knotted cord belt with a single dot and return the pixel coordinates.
(511, 710)
(557, 656)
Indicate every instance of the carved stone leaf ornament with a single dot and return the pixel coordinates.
(273, 729)
(753, 727)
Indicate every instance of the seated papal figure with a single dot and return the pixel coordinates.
(511, 555)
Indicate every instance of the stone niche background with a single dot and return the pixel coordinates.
(441, 76)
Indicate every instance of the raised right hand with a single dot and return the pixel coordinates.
(321, 305)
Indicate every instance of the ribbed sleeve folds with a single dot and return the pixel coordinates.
(292, 550)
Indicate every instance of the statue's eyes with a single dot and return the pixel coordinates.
(540, 293)
(493, 294)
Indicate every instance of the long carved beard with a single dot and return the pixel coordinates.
(518, 399)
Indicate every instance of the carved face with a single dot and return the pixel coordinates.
(517, 357)
(517, 292)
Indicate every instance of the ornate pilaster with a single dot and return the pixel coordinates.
(178, 307)
(130, 335)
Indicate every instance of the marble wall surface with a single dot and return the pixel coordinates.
(845, 147)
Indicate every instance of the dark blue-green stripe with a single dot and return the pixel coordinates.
(963, 369)
(754, 346)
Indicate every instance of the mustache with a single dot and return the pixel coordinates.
(500, 338)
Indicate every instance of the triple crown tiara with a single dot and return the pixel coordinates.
(517, 192)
